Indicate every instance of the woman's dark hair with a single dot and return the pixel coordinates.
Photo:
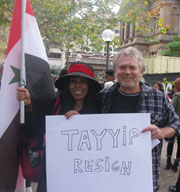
(68, 102)
(34, 128)
(161, 88)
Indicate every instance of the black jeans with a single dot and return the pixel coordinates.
(178, 182)
(171, 145)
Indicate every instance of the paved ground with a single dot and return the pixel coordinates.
(167, 177)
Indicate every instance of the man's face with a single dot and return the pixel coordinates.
(128, 74)
(109, 78)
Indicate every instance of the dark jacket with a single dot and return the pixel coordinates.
(35, 127)
(162, 114)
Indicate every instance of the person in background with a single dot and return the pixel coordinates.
(176, 105)
(109, 78)
(171, 93)
(77, 96)
(130, 95)
(63, 72)
(170, 146)
(174, 102)
(54, 78)
(109, 75)
(159, 86)
(108, 84)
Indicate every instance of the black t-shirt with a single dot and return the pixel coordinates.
(124, 103)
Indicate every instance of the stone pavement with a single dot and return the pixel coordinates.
(167, 177)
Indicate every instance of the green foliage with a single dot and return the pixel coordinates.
(131, 10)
(176, 38)
(66, 24)
(173, 47)
(145, 20)
(73, 24)
(6, 10)
(78, 24)
(4, 34)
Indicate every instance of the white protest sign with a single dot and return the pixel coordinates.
(98, 153)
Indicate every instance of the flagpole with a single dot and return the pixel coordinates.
(22, 60)
(20, 185)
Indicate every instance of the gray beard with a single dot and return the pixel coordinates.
(127, 86)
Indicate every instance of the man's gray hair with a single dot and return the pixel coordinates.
(131, 52)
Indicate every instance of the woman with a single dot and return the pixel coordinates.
(159, 86)
(77, 95)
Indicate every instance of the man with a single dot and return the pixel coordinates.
(130, 95)
(109, 75)
(176, 105)
(109, 78)
(171, 92)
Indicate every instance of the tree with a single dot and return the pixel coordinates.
(72, 24)
(67, 24)
(78, 24)
(146, 21)
(6, 11)
(173, 47)
(4, 33)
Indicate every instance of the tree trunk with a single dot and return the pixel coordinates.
(67, 59)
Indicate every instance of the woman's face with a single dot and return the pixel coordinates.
(156, 86)
(78, 87)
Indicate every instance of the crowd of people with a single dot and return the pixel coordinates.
(176, 104)
(174, 97)
(79, 93)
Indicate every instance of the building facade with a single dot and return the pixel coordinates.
(171, 15)
(57, 60)
(97, 61)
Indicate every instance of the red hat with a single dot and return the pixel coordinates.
(82, 70)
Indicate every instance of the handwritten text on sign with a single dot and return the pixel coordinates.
(98, 153)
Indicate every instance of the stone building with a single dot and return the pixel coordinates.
(97, 61)
(170, 13)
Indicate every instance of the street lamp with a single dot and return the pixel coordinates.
(107, 36)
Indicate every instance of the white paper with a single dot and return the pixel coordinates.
(98, 153)
(154, 142)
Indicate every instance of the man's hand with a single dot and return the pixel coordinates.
(159, 133)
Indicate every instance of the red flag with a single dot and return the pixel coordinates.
(38, 82)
